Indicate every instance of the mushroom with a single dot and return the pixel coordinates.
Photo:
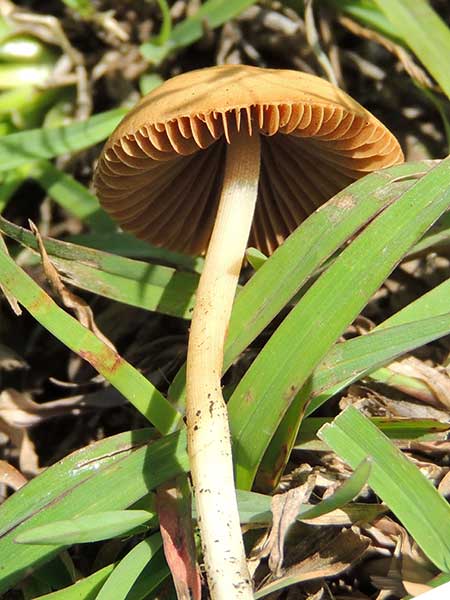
(207, 162)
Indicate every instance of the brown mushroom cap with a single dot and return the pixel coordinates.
(160, 173)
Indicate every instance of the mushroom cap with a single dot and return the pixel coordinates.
(160, 172)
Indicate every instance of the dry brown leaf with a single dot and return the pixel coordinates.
(70, 300)
(174, 511)
(444, 485)
(18, 410)
(406, 565)
(28, 458)
(285, 508)
(10, 360)
(334, 555)
(414, 589)
(313, 39)
(415, 568)
(403, 56)
(438, 383)
(10, 476)
(349, 515)
(311, 590)
(384, 533)
(374, 404)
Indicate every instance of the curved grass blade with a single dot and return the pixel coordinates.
(394, 429)
(398, 482)
(343, 495)
(322, 234)
(120, 583)
(428, 36)
(174, 297)
(438, 237)
(127, 245)
(256, 508)
(89, 528)
(72, 196)
(409, 328)
(166, 26)
(270, 385)
(107, 476)
(357, 357)
(26, 146)
(84, 589)
(125, 378)
(211, 14)
(84, 8)
(346, 362)
(296, 260)
(152, 575)
(367, 13)
(140, 284)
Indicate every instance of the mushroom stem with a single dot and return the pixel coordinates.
(209, 440)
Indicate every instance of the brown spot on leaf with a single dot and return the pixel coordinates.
(248, 398)
(41, 302)
(291, 392)
(346, 201)
(104, 361)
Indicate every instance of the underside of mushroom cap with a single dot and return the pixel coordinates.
(160, 172)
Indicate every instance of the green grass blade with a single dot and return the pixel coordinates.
(255, 258)
(55, 574)
(124, 576)
(107, 476)
(256, 508)
(166, 25)
(410, 328)
(132, 384)
(84, 589)
(213, 13)
(437, 237)
(90, 528)
(281, 277)
(367, 13)
(431, 304)
(397, 481)
(420, 27)
(394, 429)
(295, 261)
(343, 495)
(73, 470)
(268, 388)
(174, 297)
(127, 245)
(348, 361)
(140, 284)
(351, 360)
(152, 575)
(26, 146)
(84, 8)
(72, 196)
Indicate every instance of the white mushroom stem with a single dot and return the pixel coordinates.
(209, 441)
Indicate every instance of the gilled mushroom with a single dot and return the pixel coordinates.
(209, 161)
